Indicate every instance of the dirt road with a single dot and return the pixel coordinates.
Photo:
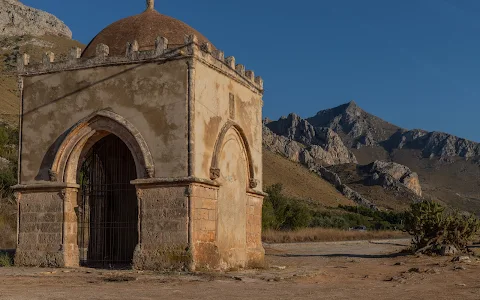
(341, 270)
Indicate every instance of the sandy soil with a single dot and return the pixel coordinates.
(337, 270)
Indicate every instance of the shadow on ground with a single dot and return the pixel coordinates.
(349, 255)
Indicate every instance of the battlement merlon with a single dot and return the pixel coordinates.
(191, 47)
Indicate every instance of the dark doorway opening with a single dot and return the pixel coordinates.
(108, 210)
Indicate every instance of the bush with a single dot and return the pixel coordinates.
(281, 212)
(432, 227)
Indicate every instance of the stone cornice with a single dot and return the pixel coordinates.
(44, 186)
(172, 181)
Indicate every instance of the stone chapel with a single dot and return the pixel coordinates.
(143, 150)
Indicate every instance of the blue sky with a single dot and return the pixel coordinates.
(415, 63)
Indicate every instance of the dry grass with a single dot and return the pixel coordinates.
(298, 182)
(327, 235)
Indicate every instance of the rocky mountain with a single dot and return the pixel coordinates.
(17, 19)
(319, 148)
(359, 128)
(301, 142)
(377, 154)
(356, 127)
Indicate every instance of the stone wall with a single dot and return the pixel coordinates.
(163, 228)
(40, 238)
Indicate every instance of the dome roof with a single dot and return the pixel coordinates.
(144, 28)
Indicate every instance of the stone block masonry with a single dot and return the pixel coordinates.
(163, 227)
(47, 228)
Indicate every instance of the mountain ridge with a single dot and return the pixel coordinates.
(447, 166)
(358, 128)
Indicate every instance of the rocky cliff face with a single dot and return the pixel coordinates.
(389, 174)
(300, 141)
(17, 19)
(433, 144)
(358, 129)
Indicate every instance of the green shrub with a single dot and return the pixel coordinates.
(281, 212)
(432, 227)
(284, 213)
(5, 260)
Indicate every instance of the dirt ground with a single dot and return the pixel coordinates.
(336, 270)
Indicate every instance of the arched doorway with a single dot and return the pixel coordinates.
(107, 208)
(232, 200)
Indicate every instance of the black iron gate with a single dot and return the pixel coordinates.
(108, 210)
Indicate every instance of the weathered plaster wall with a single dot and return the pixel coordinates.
(255, 251)
(151, 96)
(163, 228)
(220, 99)
(212, 111)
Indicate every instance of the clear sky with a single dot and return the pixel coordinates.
(415, 63)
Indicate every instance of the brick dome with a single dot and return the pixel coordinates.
(144, 28)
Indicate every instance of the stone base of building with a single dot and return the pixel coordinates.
(178, 227)
(34, 256)
(162, 258)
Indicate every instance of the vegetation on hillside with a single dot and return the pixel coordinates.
(281, 212)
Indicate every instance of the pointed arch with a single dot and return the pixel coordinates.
(81, 137)
(214, 168)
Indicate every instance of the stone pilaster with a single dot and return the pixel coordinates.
(47, 225)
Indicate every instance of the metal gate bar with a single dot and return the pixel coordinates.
(108, 212)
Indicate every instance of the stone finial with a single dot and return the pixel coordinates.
(22, 61)
(230, 61)
(48, 58)
(240, 69)
(161, 44)
(259, 81)
(132, 47)
(102, 50)
(191, 41)
(191, 38)
(75, 53)
(250, 75)
(150, 4)
(206, 47)
(219, 55)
